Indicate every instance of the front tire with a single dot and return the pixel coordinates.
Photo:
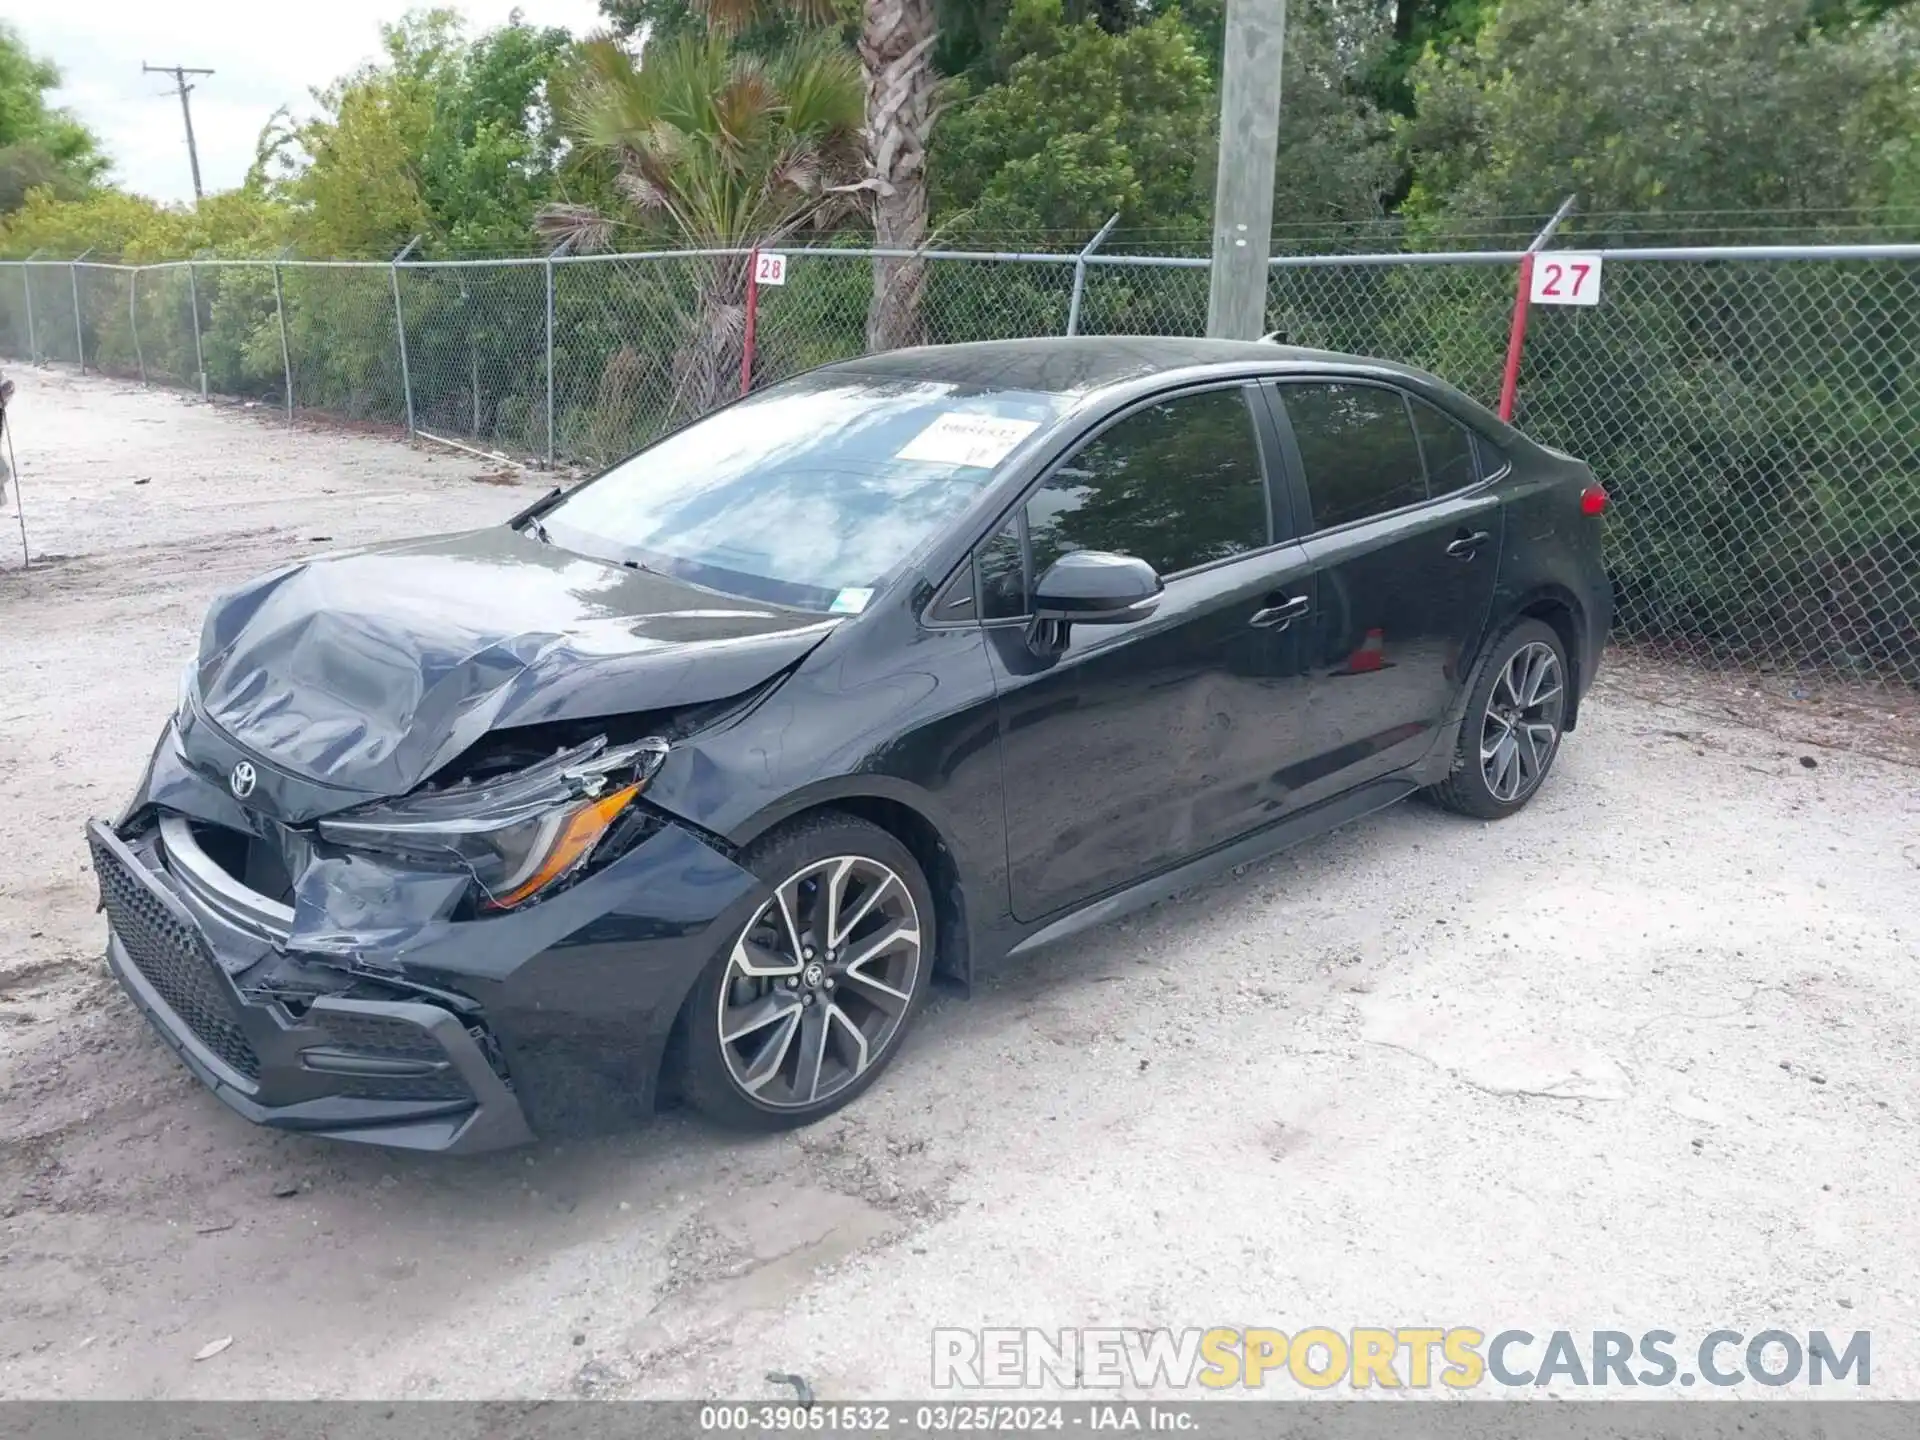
(1511, 731)
(803, 1008)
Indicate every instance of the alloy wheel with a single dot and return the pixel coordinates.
(1522, 722)
(819, 982)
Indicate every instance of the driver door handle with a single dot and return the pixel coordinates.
(1274, 617)
(1466, 546)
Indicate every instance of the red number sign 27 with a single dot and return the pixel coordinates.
(1562, 278)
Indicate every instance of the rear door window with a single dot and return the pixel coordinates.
(1357, 448)
(1492, 458)
(1447, 446)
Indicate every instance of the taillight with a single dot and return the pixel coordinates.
(1593, 500)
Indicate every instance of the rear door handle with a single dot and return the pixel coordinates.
(1274, 617)
(1467, 546)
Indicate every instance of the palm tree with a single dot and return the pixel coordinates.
(903, 101)
(727, 151)
(896, 50)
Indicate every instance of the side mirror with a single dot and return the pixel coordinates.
(1093, 587)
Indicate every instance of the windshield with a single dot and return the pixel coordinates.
(810, 494)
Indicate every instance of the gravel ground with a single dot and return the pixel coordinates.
(1641, 1057)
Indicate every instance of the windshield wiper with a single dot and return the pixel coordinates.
(535, 510)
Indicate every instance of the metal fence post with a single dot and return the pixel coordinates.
(753, 305)
(473, 356)
(79, 338)
(286, 352)
(549, 270)
(199, 359)
(1522, 301)
(400, 324)
(26, 279)
(1080, 273)
(133, 319)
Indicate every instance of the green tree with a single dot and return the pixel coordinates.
(1890, 112)
(355, 172)
(1648, 105)
(1335, 163)
(755, 29)
(1778, 393)
(491, 150)
(445, 137)
(712, 149)
(1420, 26)
(138, 231)
(971, 31)
(1090, 121)
(1086, 123)
(895, 40)
(40, 145)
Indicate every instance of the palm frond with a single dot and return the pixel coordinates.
(687, 72)
(822, 85)
(645, 196)
(724, 147)
(795, 168)
(732, 16)
(598, 97)
(745, 112)
(574, 229)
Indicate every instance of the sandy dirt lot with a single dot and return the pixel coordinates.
(1642, 1057)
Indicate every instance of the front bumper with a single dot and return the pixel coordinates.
(390, 1071)
(370, 1011)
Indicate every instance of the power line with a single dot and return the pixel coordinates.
(179, 74)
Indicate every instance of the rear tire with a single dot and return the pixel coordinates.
(801, 1010)
(1512, 727)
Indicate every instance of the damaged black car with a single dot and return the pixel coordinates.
(696, 776)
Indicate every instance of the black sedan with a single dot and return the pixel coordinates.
(697, 774)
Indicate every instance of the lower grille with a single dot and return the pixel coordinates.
(404, 1087)
(174, 959)
(394, 1039)
(384, 1036)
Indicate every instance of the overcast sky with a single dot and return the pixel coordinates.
(266, 55)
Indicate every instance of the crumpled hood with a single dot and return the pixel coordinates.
(372, 669)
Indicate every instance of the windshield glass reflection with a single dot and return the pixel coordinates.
(810, 494)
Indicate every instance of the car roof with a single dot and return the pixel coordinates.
(1080, 365)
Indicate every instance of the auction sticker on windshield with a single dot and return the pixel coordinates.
(957, 439)
(851, 601)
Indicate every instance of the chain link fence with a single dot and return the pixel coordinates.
(1754, 411)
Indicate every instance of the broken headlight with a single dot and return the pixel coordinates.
(515, 834)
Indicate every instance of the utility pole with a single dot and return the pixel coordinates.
(179, 74)
(1243, 189)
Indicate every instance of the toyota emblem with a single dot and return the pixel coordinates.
(241, 781)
